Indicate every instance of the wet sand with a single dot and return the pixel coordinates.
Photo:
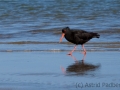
(56, 70)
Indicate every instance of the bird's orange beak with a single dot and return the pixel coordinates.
(63, 34)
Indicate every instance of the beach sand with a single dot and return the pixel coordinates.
(56, 70)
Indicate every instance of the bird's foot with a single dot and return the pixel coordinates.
(69, 54)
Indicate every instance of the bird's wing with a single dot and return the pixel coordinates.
(81, 36)
(77, 36)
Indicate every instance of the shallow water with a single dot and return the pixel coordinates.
(41, 20)
(48, 70)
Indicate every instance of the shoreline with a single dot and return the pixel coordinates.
(36, 46)
(57, 51)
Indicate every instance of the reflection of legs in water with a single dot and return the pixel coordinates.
(76, 61)
(74, 58)
(83, 57)
(63, 70)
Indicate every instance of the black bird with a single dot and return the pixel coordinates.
(78, 37)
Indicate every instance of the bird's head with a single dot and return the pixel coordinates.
(64, 30)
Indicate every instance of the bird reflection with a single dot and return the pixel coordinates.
(80, 67)
(74, 58)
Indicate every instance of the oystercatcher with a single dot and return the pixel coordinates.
(77, 37)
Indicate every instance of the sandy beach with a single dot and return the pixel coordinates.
(50, 70)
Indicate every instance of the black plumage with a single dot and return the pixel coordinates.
(78, 37)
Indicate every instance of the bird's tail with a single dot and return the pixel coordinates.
(95, 35)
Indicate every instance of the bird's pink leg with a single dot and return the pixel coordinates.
(84, 51)
(70, 53)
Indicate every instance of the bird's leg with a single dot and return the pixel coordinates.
(84, 51)
(70, 53)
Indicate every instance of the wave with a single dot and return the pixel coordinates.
(37, 46)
